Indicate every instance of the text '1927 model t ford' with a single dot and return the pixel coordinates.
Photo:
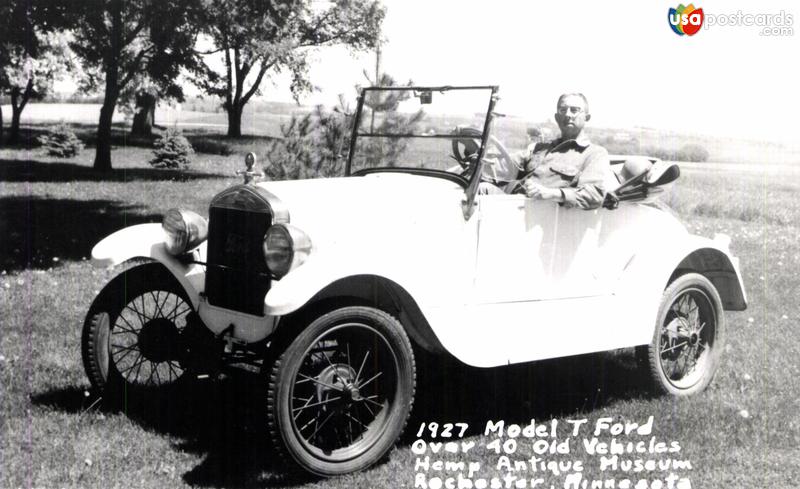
(331, 284)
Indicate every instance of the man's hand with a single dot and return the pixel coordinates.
(536, 190)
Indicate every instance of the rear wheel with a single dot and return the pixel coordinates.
(341, 392)
(132, 334)
(688, 340)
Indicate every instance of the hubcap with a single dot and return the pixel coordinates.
(343, 391)
(159, 340)
(686, 338)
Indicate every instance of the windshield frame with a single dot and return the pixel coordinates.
(471, 185)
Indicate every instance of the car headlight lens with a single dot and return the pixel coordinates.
(184, 230)
(285, 248)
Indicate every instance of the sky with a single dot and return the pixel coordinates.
(635, 71)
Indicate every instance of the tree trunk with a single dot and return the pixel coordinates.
(234, 120)
(19, 99)
(1, 125)
(102, 158)
(16, 112)
(145, 115)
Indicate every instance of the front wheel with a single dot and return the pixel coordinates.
(132, 334)
(688, 340)
(341, 392)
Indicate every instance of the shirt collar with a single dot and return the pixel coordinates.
(582, 140)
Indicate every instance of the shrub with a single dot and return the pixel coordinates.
(204, 144)
(306, 148)
(61, 141)
(317, 144)
(172, 150)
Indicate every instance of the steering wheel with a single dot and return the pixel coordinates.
(498, 163)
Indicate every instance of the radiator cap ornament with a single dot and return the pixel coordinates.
(250, 175)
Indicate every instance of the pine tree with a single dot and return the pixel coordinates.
(172, 150)
(61, 141)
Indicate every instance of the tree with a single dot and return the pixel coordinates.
(258, 38)
(119, 40)
(139, 100)
(145, 115)
(380, 151)
(32, 54)
(316, 145)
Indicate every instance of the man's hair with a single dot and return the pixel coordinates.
(574, 94)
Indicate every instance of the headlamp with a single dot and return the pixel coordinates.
(184, 230)
(285, 248)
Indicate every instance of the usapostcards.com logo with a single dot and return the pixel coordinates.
(685, 20)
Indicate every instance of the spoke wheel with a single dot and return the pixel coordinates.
(340, 394)
(132, 333)
(688, 340)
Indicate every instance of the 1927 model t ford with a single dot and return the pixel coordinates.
(326, 284)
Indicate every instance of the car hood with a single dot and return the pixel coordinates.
(331, 210)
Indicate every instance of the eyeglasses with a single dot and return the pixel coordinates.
(571, 109)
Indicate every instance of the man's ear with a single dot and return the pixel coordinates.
(588, 117)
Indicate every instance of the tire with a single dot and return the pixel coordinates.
(689, 337)
(341, 392)
(131, 341)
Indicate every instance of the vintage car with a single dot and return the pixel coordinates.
(328, 286)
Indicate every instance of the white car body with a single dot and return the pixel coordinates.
(520, 280)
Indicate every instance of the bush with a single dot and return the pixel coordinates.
(310, 147)
(172, 150)
(317, 144)
(61, 141)
(211, 146)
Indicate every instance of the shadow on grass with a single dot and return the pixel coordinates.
(37, 171)
(226, 420)
(34, 230)
(72, 400)
(223, 420)
(449, 391)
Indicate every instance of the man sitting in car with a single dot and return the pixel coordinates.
(570, 170)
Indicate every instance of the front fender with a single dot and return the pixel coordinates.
(295, 289)
(147, 241)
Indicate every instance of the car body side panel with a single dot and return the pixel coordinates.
(488, 335)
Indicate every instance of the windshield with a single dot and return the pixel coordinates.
(438, 129)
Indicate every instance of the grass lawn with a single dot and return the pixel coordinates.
(743, 432)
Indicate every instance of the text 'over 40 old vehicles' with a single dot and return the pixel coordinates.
(329, 285)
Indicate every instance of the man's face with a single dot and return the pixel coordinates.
(571, 116)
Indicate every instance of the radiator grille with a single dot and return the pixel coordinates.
(237, 277)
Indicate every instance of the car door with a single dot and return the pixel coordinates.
(578, 254)
(515, 249)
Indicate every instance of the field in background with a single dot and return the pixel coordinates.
(264, 119)
(744, 432)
